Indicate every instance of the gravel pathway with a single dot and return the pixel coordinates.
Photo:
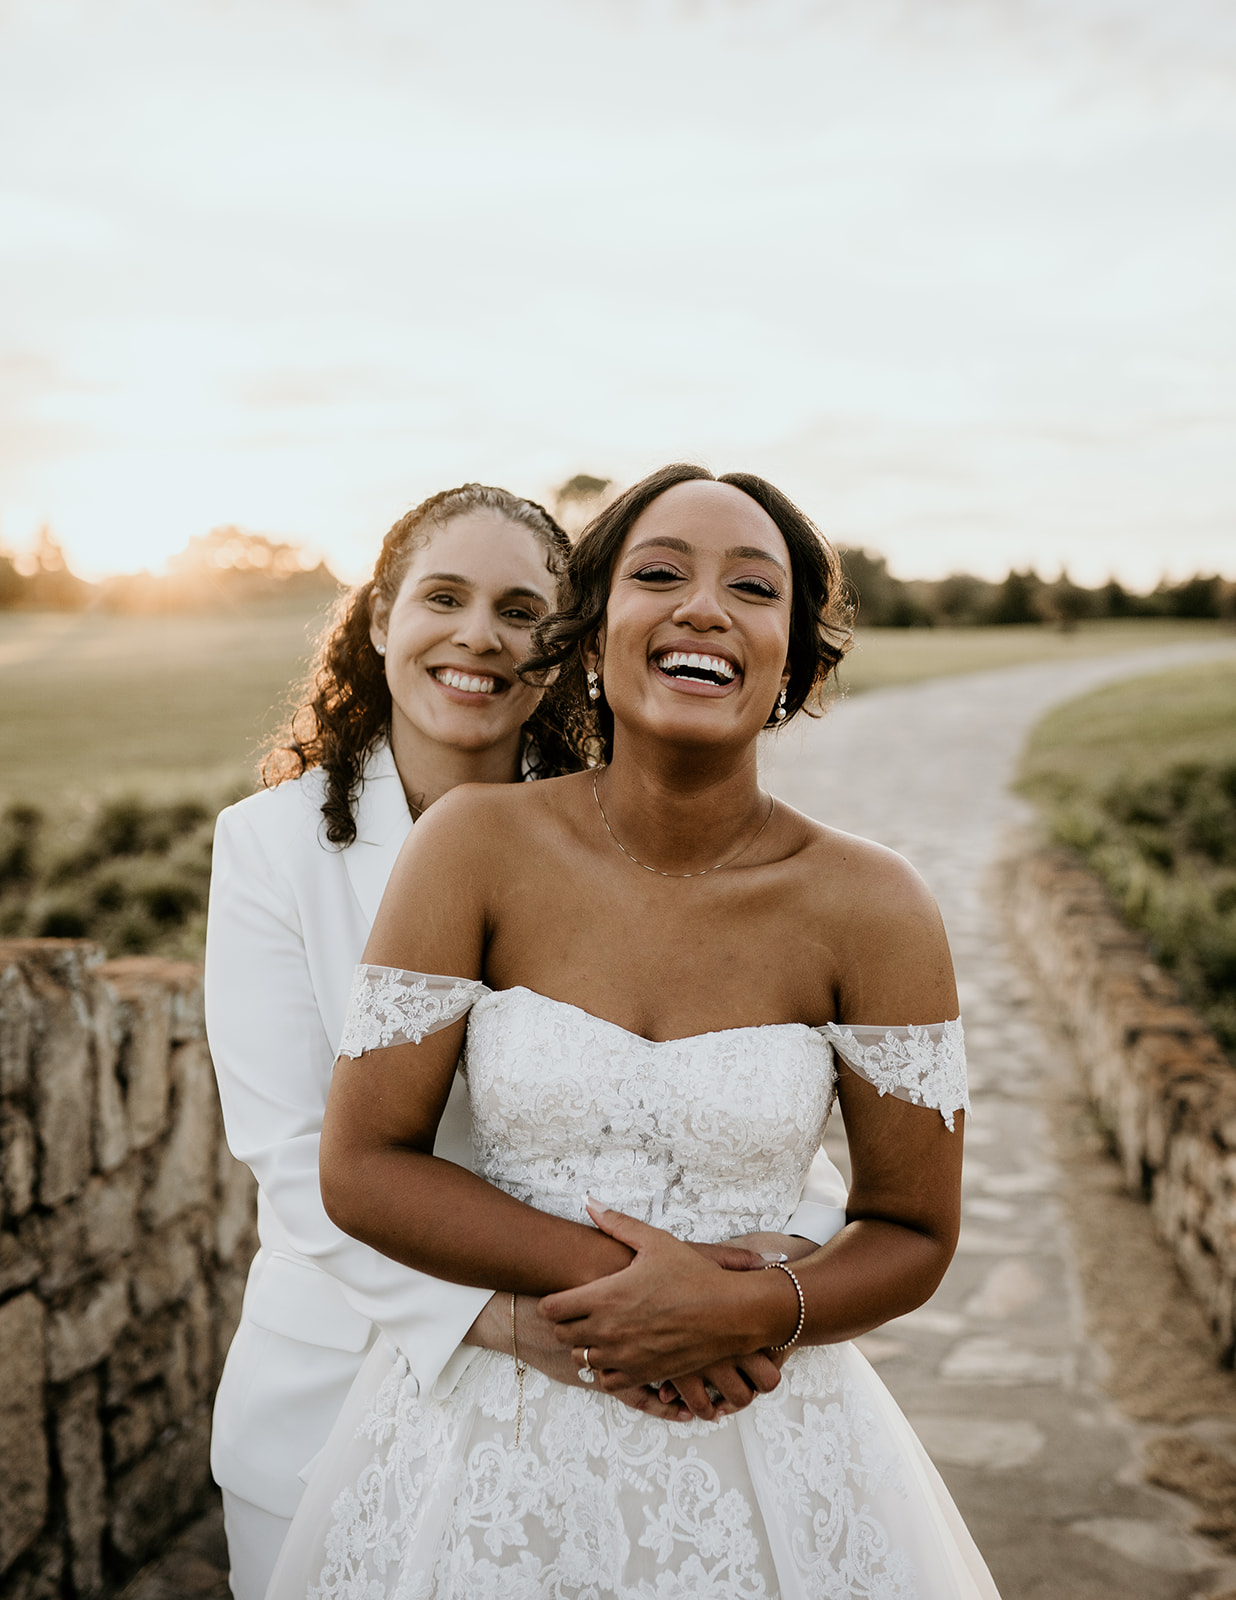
(997, 1373)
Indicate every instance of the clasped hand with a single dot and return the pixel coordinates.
(667, 1334)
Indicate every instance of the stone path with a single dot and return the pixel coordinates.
(996, 1373)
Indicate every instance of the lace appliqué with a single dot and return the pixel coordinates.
(706, 1137)
(601, 1500)
(924, 1063)
(389, 1006)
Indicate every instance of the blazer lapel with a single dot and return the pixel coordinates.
(382, 824)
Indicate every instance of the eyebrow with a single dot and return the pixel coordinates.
(467, 583)
(737, 552)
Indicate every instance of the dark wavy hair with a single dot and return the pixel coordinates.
(346, 706)
(821, 609)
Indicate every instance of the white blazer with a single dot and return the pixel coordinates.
(289, 918)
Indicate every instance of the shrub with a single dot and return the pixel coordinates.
(62, 922)
(1165, 846)
(19, 828)
(132, 873)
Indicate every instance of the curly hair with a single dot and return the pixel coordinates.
(345, 709)
(821, 609)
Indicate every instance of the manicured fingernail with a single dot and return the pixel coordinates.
(595, 1204)
(772, 1255)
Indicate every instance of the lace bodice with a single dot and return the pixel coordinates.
(707, 1136)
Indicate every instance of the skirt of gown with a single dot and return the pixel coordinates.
(818, 1491)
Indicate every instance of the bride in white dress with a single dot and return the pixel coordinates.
(660, 981)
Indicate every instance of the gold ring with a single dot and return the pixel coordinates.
(586, 1374)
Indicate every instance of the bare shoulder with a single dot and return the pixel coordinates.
(863, 878)
(458, 866)
(870, 907)
(489, 827)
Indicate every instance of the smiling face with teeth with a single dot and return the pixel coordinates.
(697, 626)
(452, 637)
(695, 665)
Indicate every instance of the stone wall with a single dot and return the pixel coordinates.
(125, 1233)
(1160, 1082)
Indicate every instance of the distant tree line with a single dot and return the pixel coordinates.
(231, 568)
(962, 600)
(224, 570)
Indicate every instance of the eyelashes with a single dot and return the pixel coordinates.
(758, 587)
(521, 615)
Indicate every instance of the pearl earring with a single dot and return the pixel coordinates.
(779, 710)
(380, 648)
(594, 684)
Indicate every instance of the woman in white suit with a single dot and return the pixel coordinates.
(415, 691)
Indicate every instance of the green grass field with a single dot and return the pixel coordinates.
(120, 739)
(1134, 729)
(886, 656)
(94, 705)
(1140, 778)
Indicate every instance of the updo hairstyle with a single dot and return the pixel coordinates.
(821, 611)
(346, 706)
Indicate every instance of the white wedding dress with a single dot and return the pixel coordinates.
(820, 1489)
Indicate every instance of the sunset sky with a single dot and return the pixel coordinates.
(958, 274)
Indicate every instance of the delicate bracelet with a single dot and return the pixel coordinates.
(780, 1266)
(521, 1368)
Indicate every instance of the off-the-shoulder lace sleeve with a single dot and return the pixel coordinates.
(924, 1063)
(389, 1006)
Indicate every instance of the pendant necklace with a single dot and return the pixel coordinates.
(715, 868)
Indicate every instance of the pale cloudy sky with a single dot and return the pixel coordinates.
(958, 274)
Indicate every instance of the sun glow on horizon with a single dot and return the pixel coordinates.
(960, 281)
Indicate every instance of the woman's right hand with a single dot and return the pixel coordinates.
(728, 1386)
(725, 1387)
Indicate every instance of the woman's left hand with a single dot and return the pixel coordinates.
(671, 1314)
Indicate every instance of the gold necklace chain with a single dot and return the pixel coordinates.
(772, 806)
